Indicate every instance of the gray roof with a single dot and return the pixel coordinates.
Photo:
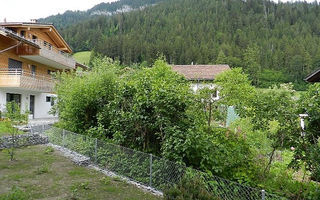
(200, 72)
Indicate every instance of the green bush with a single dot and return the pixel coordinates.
(81, 95)
(269, 78)
(221, 152)
(308, 148)
(13, 113)
(190, 187)
(149, 102)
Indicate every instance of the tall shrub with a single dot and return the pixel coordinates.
(150, 108)
(82, 94)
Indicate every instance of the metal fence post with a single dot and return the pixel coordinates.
(95, 151)
(42, 129)
(63, 137)
(31, 129)
(263, 194)
(150, 183)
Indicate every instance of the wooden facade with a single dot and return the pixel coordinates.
(38, 50)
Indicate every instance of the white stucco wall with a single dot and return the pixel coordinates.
(41, 107)
(197, 86)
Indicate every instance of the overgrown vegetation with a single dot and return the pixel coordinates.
(190, 187)
(155, 111)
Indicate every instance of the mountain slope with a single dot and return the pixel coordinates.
(107, 9)
(272, 42)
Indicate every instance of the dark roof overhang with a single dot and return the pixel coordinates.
(313, 76)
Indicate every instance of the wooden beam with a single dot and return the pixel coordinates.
(63, 49)
(45, 30)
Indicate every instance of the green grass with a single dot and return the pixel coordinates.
(82, 57)
(297, 94)
(37, 174)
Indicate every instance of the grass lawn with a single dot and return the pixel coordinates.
(39, 172)
(82, 57)
(297, 94)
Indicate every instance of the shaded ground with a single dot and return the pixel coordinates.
(41, 173)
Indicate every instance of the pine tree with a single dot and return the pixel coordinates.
(251, 61)
(221, 59)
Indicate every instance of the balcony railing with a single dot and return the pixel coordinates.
(49, 52)
(45, 45)
(17, 78)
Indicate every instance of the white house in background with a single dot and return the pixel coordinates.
(29, 53)
(201, 76)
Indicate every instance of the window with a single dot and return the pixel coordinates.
(14, 98)
(51, 100)
(48, 99)
(23, 33)
(14, 64)
(34, 38)
(33, 70)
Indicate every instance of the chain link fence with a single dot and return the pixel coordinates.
(146, 169)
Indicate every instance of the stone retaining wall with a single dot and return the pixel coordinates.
(22, 140)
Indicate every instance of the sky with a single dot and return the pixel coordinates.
(23, 11)
(18, 11)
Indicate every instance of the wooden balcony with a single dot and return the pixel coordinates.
(41, 51)
(47, 54)
(19, 79)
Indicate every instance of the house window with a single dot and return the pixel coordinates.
(34, 38)
(23, 33)
(48, 99)
(14, 64)
(14, 98)
(33, 70)
(51, 100)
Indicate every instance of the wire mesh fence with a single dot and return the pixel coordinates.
(147, 169)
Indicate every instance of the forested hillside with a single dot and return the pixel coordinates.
(273, 42)
(106, 9)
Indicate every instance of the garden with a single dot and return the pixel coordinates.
(154, 111)
(125, 114)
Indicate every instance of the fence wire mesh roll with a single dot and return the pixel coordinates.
(144, 168)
